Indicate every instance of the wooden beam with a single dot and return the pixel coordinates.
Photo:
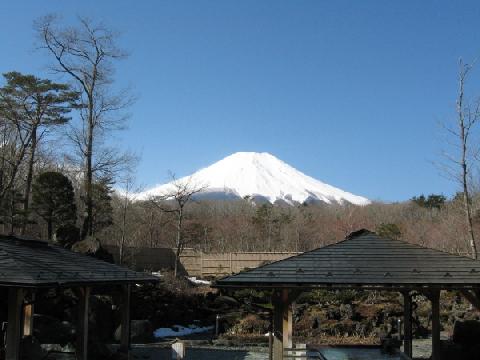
(436, 347)
(81, 352)
(125, 326)
(14, 329)
(407, 323)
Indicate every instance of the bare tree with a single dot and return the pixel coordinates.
(128, 197)
(175, 202)
(86, 54)
(461, 162)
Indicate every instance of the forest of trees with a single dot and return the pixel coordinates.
(58, 171)
(219, 226)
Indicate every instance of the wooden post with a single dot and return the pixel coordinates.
(231, 263)
(178, 350)
(282, 323)
(278, 311)
(288, 325)
(407, 324)
(435, 300)
(28, 320)
(81, 352)
(125, 330)
(14, 329)
(270, 339)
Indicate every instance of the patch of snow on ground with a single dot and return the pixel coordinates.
(194, 280)
(178, 330)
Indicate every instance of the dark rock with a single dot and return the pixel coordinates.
(346, 311)
(88, 246)
(97, 350)
(49, 330)
(91, 246)
(119, 356)
(226, 301)
(333, 314)
(31, 349)
(390, 346)
(473, 353)
(450, 350)
(466, 333)
(141, 331)
(67, 235)
(101, 318)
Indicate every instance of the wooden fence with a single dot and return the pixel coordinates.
(196, 263)
(212, 265)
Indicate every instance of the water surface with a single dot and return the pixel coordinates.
(353, 353)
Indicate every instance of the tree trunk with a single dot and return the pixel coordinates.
(28, 184)
(124, 224)
(179, 240)
(50, 229)
(88, 221)
(12, 211)
(151, 229)
(463, 164)
(468, 219)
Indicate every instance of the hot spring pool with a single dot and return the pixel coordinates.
(338, 353)
(353, 353)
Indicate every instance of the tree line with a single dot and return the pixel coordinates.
(238, 225)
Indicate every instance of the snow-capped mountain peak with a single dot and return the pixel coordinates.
(258, 175)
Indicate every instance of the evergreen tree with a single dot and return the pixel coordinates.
(391, 231)
(431, 202)
(11, 213)
(53, 199)
(33, 106)
(435, 201)
(419, 200)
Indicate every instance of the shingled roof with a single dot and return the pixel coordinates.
(36, 263)
(364, 259)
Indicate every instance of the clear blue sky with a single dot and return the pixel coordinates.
(349, 92)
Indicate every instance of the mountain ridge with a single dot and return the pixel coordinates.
(258, 176)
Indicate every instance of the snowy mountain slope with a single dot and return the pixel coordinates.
(258, 175)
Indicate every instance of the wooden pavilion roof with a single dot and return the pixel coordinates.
(36, 263)
(364, 259)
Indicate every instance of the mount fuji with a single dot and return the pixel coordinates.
(260, 176)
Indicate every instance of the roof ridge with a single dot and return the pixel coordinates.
(366, 232)
(298, 255)
(387, 247)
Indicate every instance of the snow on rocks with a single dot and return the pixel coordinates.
(194, 280)
(178, 330)
(157, 273)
